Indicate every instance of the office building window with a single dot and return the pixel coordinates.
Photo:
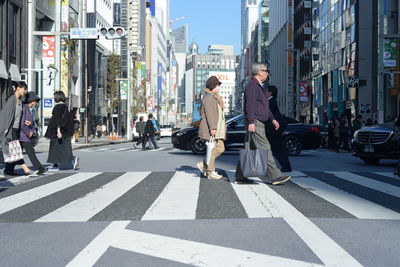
(12, 29)
(1, 25)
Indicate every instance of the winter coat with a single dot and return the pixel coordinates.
(140, 126)
(271, 132)
(60, 118)
(25, 129)
(211, 118)
(7, 117)
(149, 128)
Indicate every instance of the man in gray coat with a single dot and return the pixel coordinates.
(257, 113)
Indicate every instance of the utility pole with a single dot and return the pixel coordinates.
(86, 117)
(57, 76)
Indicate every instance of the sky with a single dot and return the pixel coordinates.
(209, 21)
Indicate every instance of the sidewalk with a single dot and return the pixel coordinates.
(43, 145)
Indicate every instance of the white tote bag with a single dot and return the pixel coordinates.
(14, 152)
(210, 146)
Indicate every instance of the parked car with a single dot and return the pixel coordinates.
(297, 136)
(165, 131)
(373, 143)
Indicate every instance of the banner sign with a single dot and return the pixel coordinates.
(390, 52)
(304, 86)
(123, 87)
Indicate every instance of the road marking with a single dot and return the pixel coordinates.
(327, 250)
(373, 184)
(178, 200)
(174, 249)
(18, 180)
(155, 150)
(25, 197)
(251, 199)
(387, 174)
(359, 207)
(82, 209)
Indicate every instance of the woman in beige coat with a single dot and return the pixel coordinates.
(212, 124)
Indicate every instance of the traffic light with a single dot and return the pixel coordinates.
(113, 32)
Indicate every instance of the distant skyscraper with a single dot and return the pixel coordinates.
(180, 38)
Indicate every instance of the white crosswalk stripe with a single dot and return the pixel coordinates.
(179, 198)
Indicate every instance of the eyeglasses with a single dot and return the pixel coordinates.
(267, 71)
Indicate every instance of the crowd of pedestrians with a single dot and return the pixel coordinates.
(18, 131)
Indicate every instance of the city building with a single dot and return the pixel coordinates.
(345, 66)
(199, 67)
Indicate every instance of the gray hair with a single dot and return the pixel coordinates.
(256, 67)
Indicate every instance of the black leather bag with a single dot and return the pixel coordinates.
(34, 139)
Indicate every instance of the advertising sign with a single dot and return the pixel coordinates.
(123, 87)
(159, 83)
(304, 86)
(117, 14)
(390, 53)
(224, 77)
(150, 103)
(48, 49)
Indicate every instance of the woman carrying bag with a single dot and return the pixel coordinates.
(28, 132)
(212, 126)
(60, 131)
(10, 128)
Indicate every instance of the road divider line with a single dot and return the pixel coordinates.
(23, 198)
(372, 184)
(359, 207)
(82, 209)
(178, 200)
(388, 174)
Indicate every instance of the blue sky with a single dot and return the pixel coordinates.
(210, 21)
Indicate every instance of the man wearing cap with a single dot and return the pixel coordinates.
(212, 124)
(257, 113)
(28, 130)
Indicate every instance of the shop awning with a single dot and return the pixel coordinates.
(3, 70)
(14, 72)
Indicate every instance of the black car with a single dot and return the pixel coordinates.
(297, 136)
(374, 143)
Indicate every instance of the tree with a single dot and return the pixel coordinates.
(112, 90)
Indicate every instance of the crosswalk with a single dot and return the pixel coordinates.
(183, 195)
(124, 149)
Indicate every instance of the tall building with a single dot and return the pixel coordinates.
(345, 76)
(199, 67)
(180, 39)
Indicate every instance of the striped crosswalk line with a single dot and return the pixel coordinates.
(23, 198)
(178, 201)
(184, 197)
(357, 206)
(85, 208)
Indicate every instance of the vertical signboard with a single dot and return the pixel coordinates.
(159, 83)
(304, 88)
(117, 13)
(64, 46)
(123, 90)
(390, 53)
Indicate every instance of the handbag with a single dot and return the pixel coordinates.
(210, 146)
(14, 152)
(253, 162)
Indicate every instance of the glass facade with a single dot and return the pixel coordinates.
(335, 55)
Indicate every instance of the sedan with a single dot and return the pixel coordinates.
(165, 131)
(297, 136)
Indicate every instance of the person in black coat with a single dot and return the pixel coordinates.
(275, 136)
(60, 131)
(149, 133)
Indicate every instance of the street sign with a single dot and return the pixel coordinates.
(48, 103)
(82, 110)
(84, 33)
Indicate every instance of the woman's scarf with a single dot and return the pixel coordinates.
(217, 97)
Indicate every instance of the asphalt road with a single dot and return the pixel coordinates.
(128, 207)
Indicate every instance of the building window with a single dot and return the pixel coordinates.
(12, 30)
(1, 26)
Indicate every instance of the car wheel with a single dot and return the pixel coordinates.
(293, 145)
(371, 161)
(198, 146)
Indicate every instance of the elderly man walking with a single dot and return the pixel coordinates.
(257, 113)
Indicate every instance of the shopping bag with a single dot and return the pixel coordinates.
(253, 162)
(210, 146)
(14, 152)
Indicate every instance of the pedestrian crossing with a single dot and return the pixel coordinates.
(183, 195)
(124, 149)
